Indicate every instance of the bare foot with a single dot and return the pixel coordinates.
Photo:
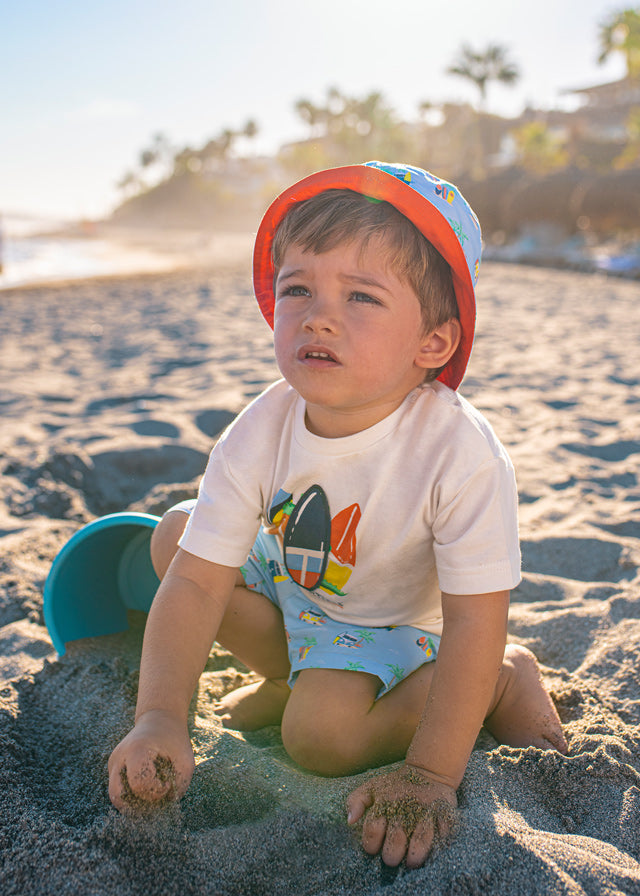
(253, 706)
(523, 714)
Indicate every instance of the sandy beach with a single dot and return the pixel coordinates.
(112, 394)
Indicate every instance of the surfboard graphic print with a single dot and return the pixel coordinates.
(307, 538)
(343, 534)
(281, 505)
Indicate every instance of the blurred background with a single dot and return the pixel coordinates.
(133, 131)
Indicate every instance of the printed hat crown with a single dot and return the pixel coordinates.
(435, 207)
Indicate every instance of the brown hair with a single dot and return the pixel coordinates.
(333, 217)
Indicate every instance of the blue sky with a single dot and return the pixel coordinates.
(86, 84)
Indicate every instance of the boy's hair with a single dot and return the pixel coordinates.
(333, 217)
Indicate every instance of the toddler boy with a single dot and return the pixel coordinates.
(355, 537)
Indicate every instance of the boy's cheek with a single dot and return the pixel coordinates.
(282, 337)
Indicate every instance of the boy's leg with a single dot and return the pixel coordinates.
(522, 713)
(333, 725)
(252, 630)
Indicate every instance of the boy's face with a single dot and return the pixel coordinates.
(348, 335)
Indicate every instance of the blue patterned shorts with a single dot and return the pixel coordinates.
(315, 640)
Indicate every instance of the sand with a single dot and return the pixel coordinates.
(112, 393)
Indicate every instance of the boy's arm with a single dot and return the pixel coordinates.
(406, 806)
(156, 759)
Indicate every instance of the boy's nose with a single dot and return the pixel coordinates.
(321, 317)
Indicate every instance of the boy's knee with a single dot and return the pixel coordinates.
(518, 658)
(164, 540)
(320, 748)
(519, 665)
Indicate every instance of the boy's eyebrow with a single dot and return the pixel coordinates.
(284, 274)
(365, 281)
(362, 279)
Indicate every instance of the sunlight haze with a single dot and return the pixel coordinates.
(88, 85)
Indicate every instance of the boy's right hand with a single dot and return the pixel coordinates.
(405, 813)
(155, 760)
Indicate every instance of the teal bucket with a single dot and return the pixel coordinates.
(102, 571)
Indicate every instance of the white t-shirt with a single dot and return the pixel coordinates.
(375, 525)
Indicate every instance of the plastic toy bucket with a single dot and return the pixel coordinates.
(101, 572)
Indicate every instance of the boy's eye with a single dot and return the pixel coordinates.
(293, 290)
(364, 298)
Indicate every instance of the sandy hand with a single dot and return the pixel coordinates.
(153, 762)
(406, 815)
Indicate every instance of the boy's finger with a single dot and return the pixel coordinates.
(420, 844)
(358, 802)
(395, 845)
(182, 777)
(116, 788)
(373, 834)
(116, 784)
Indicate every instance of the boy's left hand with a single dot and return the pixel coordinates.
(405, 813)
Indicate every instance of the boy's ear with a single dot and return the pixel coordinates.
(439, 346)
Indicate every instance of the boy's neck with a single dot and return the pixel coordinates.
(339, 424)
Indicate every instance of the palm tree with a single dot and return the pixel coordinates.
(482, 67)
(225, 142)
(620, 33)
(250, 129)
(349, 128)
(398, 672)
(314, 116)
(308, 644)
(159, 151)
(129, 183)
(355, 667)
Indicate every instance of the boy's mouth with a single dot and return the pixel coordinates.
(321, 355)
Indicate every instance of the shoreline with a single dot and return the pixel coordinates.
(103, 251)
(130, 252)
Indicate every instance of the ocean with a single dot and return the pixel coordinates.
(39, 250)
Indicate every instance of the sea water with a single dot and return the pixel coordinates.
(37, 250)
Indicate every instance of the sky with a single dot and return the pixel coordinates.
(87, 84)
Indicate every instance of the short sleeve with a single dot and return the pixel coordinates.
(226, 518)
(475, 532)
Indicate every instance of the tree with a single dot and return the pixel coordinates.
(250, 129)
(129, 184)
(216, 151)
(538, 149)
(482, 67)
(630, 156)
(247, 134)
(186, 161)
(159, 151)
(620, 33)
(312, 115)
(347, 129)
